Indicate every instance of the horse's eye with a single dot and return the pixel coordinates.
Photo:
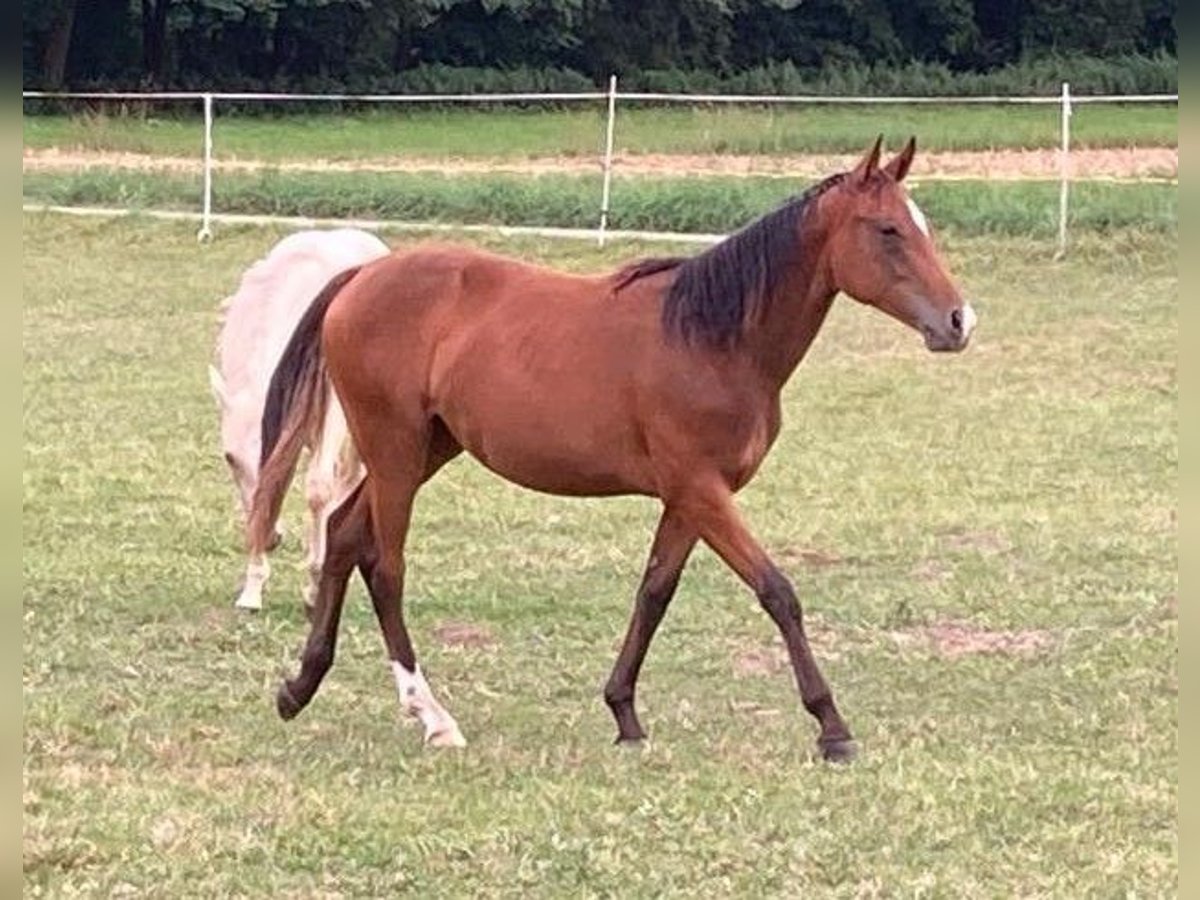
(889, 231)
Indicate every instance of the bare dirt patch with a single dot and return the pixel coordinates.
(760, 662)
(765, 660)
(931, 571)
(951, 640)
(1167, 608)
(463, 634)
(1043, 164)
(988, 543)
(948, 639)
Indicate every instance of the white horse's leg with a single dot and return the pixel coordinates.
(318, 523)
(258, 570)
(334, 471)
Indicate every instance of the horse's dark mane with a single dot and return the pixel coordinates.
(715, 291)
(644, 268)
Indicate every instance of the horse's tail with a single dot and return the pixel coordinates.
(295, 409)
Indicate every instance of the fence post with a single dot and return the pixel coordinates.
(1064, 171)
(205, 232)
(608, 152)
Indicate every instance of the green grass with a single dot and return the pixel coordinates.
(1027, 484)
(580, 132)
(716, 205)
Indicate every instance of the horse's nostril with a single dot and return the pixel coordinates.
(956, 321)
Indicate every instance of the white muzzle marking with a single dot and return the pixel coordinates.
(968, 320)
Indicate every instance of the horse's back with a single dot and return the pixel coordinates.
(261, 315)
(274, 293)
(464, 288)
(435, 297)
(508, 355)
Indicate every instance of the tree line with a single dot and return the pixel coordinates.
(395, 44)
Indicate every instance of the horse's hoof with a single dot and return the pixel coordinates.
(449, 737)
(838, 751)
(286, 705)
(249, 604)
(632, 742)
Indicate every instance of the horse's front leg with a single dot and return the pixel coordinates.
(258, 570)
(710, 509)
(673, 542)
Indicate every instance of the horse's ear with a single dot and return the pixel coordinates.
(899, 165)
(870, 163)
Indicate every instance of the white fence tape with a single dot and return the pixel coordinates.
(590, 95)
(587, 234)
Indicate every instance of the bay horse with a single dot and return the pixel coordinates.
(256, 322)
(661, 379)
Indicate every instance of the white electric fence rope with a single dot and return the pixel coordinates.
(994, 100)
(298, 222)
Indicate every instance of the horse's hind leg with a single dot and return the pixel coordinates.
(673, 543)
(333, 472)
(349, 532)
(392, 494)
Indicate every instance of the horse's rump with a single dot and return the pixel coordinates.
(258, 318)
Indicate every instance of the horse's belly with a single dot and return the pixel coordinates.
(545, 400)
(555, 449)
(562, 476)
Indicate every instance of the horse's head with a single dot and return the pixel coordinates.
(239, 437)
(881, 252)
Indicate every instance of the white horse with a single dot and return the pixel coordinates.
(256, 325)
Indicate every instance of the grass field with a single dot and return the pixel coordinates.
(691, 204)
(472, 132)
(1017, 499)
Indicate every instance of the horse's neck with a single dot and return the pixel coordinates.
(788, 322)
